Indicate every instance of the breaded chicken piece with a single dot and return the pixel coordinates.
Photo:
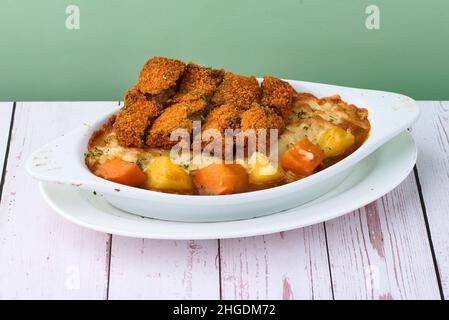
(132, 121)
(260, 117)
(224, 117)
(278, 95)
(174, 117)
(194, 107)
(238, 90)
(160, 76)
(198, 83)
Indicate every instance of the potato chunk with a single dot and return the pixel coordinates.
(335, 141)
(262, 170)
(164, 175)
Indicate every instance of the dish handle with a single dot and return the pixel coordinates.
(60, 160)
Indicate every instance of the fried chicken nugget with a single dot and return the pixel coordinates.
(174, 117)
(224, 117)
(132, 121)
(238, 90)
(260, 117)
(160, 76)
(198, 83)
(194, 107)
(278, 95)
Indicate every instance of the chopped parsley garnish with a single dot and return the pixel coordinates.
(95, 153)
(301, 114)
(306, 128)
(164, 77)
(332, 119)
(123, 108)
(202, 118)
(139, 163)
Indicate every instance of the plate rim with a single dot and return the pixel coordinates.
(254, 231)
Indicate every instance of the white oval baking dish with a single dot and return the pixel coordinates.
(62, 161)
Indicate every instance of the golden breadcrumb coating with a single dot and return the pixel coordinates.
(198, 83)
(278, 95)
(238, 90)
(132, 121)
(224, 117)
(159, 74)
(194, 107)
(261, 117)
(174, 117)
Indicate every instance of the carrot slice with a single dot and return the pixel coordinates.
(120, 171)
(217, 179)
(303, 158)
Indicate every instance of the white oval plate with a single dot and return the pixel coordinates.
(370, 179)
(63, 161)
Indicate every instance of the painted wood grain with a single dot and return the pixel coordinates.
(286, 265)
(161, 269)
(5, 121)
(431, 132)
(41, 254)
(382, 250)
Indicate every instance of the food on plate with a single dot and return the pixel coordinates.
(270, 134)
(303, 158)
(219, 179)
(278, 95)
(164, 175)
(198, 83)
(262, 170)
(131, 123)
(159, 77)
(335, 141)
(121, 171)
(174, 117)
(241, 91)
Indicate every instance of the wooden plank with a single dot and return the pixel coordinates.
(431, 133)
(382, 251)
(286, 265)
(161, 269)
(41, 254)
(5, 121)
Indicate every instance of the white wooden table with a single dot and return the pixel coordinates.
(394, 248)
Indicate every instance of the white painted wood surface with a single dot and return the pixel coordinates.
(161, 269)
(286, 265)
(381, 251)
(432, 136)
(41, 254)
(5, 121)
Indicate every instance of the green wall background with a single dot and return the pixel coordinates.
(314, 40)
